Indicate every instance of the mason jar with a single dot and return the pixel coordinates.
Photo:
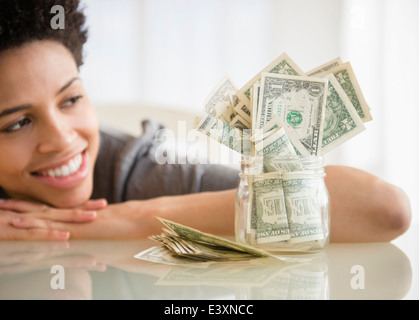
(282, 204)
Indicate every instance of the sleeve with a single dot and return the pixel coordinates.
(150, 179)
(140, 176)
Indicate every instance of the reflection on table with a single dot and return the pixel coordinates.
(108, 270)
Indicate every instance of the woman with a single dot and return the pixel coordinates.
(54, 159)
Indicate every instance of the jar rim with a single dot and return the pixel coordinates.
(248, 158)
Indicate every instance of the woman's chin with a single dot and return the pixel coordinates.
(68, 200)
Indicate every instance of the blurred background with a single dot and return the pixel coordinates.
(161, 58)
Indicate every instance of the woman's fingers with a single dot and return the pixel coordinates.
(39, 229)
(95, 204)
(20, 209)
(63, 215)
(86, 213)
(21, 205)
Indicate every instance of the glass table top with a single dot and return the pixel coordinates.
(90, 269)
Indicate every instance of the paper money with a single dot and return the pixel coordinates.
(218, 104)
(281, 65)
(240, 122)
(292, 115)
(342, 122)
(303, 207)
(346, 78)
(232, 137)
(205, 238)
(300, 103)
(324, 69)
(272, 220)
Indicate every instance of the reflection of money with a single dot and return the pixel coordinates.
(272, 221)
(346, 78)
(341, 119)
(218, 103)
(299, 102)
(251, 273)
(303, 207)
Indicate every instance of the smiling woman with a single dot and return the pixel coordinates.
(50, 123)
(62, 175)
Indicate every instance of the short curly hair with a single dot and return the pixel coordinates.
(23, 21)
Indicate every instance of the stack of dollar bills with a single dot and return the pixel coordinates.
(311, 113)
(182, 245)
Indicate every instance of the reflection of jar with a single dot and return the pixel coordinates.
(282, 204)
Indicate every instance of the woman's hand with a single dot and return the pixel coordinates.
(211, 212)
(25, 220)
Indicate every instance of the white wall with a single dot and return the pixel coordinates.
(173, 52)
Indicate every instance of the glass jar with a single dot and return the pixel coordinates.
(282, 204)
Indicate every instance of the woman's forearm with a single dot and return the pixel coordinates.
(211, 212)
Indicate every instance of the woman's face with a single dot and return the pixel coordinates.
(49, 135)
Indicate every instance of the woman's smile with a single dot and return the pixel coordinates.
(65, 175)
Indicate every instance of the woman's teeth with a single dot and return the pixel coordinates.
(65, 170)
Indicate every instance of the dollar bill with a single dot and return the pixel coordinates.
(274, 125)
(303, 207)
(274, 149)
(218, 103)
(324, 69)
(255, 92)
(276, 144)
(232, 137)
(245, 112)
(342, 122)
(272, 220)
(281, 65)
(299, 102)
(240, 122)
(199, 237)
(346, 78)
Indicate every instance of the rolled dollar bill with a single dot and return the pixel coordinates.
(272, 219)
(303, 206)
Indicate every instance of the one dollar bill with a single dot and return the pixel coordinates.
(300, 103)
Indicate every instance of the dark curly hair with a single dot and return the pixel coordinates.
(23, 21)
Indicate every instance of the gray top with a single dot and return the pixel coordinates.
(126, 169)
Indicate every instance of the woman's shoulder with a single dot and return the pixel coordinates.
(119, 152)
(116, 139)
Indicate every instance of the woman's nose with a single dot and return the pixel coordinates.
(56, 135)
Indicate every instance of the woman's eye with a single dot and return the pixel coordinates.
(72, 101)
(17, 125)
